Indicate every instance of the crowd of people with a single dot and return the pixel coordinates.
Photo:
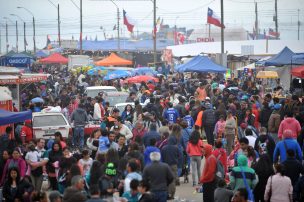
(238, 143)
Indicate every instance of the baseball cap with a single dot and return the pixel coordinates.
(116, 127)
(116, 110)
(277, 106)
(110, 169)
(207, 98)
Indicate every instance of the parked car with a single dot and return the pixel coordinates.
(93, 91)
(45, 124)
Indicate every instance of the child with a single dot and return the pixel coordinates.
(32, 158)
(220, 127)
(145, 194)
(86, 162)
(222, 194)
(133, 194)
(104, 142)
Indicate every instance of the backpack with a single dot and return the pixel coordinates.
(219, 171)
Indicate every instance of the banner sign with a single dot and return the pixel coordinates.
(23, 80)
(18, 61)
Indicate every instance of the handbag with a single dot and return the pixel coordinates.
(270, 190)
(250, 192)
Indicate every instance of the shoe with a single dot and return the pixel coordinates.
(170, 198)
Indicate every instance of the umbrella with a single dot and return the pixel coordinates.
(139, 79)
(144, 71)
(117, 74)
(97, 71)
(267, 75)
(37, 99)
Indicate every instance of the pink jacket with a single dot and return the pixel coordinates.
(195, 150)
(281, 189)
(19, 163)
(291, 124)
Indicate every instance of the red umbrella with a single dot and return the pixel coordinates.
(139, 79)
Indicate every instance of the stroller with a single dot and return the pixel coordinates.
(185, 168)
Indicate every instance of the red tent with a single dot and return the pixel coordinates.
(54, 58)
(113, 60)
(298, 72)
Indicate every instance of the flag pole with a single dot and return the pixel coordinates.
(209, 30)
(222, 31)
(154, 39)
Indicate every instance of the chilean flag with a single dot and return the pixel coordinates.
(130, 23)
(212, 18)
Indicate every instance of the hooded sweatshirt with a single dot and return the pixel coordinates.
(291, 124)
(80, 117)
(236, 177)
(170, 153)
(208, 174)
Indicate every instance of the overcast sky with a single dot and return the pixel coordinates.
(183, 13)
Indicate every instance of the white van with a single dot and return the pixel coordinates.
(45, 124)
(93, 91)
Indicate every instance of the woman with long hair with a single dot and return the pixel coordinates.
(97, 170)
(279, 186)
(18, 162)
(15, 188)
(92, 141)
(53, 164)
(263, 168)
(194, 150)
(128, 114)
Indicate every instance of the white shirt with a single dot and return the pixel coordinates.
(97, 111)
(251, 140)
(86, 164)
(32, 156)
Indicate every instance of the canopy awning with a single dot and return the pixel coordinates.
(298, 72)
(284, 57)
(55, 58)
(113, 60)
(7, 117)
(267, 75)
(24, 78)
(201, 64)
(250, 66)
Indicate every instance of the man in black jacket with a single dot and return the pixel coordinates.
(159, 175)
(293, 167)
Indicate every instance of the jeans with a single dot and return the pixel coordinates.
(160, 196)
(209, 134)
(78, 136)
(37, 182)
(208, 191)
(196, 168)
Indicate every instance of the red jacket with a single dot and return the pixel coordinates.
(195, 150)
(208, 174)
(223, 157)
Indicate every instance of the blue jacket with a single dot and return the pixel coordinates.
(281, 151)
(147, 153)
(170, 153)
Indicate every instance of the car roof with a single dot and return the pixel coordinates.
(124, 104)
(116, 93)
(46, 113)
(100, 87)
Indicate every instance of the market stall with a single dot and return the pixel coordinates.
(114, 60)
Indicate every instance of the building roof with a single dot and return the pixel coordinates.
(247, 47)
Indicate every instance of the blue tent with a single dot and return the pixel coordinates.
(284, 57)
(41, 54)
(7, 117)
(144, 71)
(298, 59)
(201, 64)
(116, 74)
(18, 60)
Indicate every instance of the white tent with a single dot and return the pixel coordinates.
(250, 66)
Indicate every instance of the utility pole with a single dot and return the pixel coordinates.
(256, 21)
(59, 40)
(276, 18)
(118, 29)
(299, 24)
(34, 36)
(222, 33)
(80, 27)
(17, 36)
(24, 35)
(6, 35)
(154, 39)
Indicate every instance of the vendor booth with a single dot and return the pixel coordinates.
(114, 60)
